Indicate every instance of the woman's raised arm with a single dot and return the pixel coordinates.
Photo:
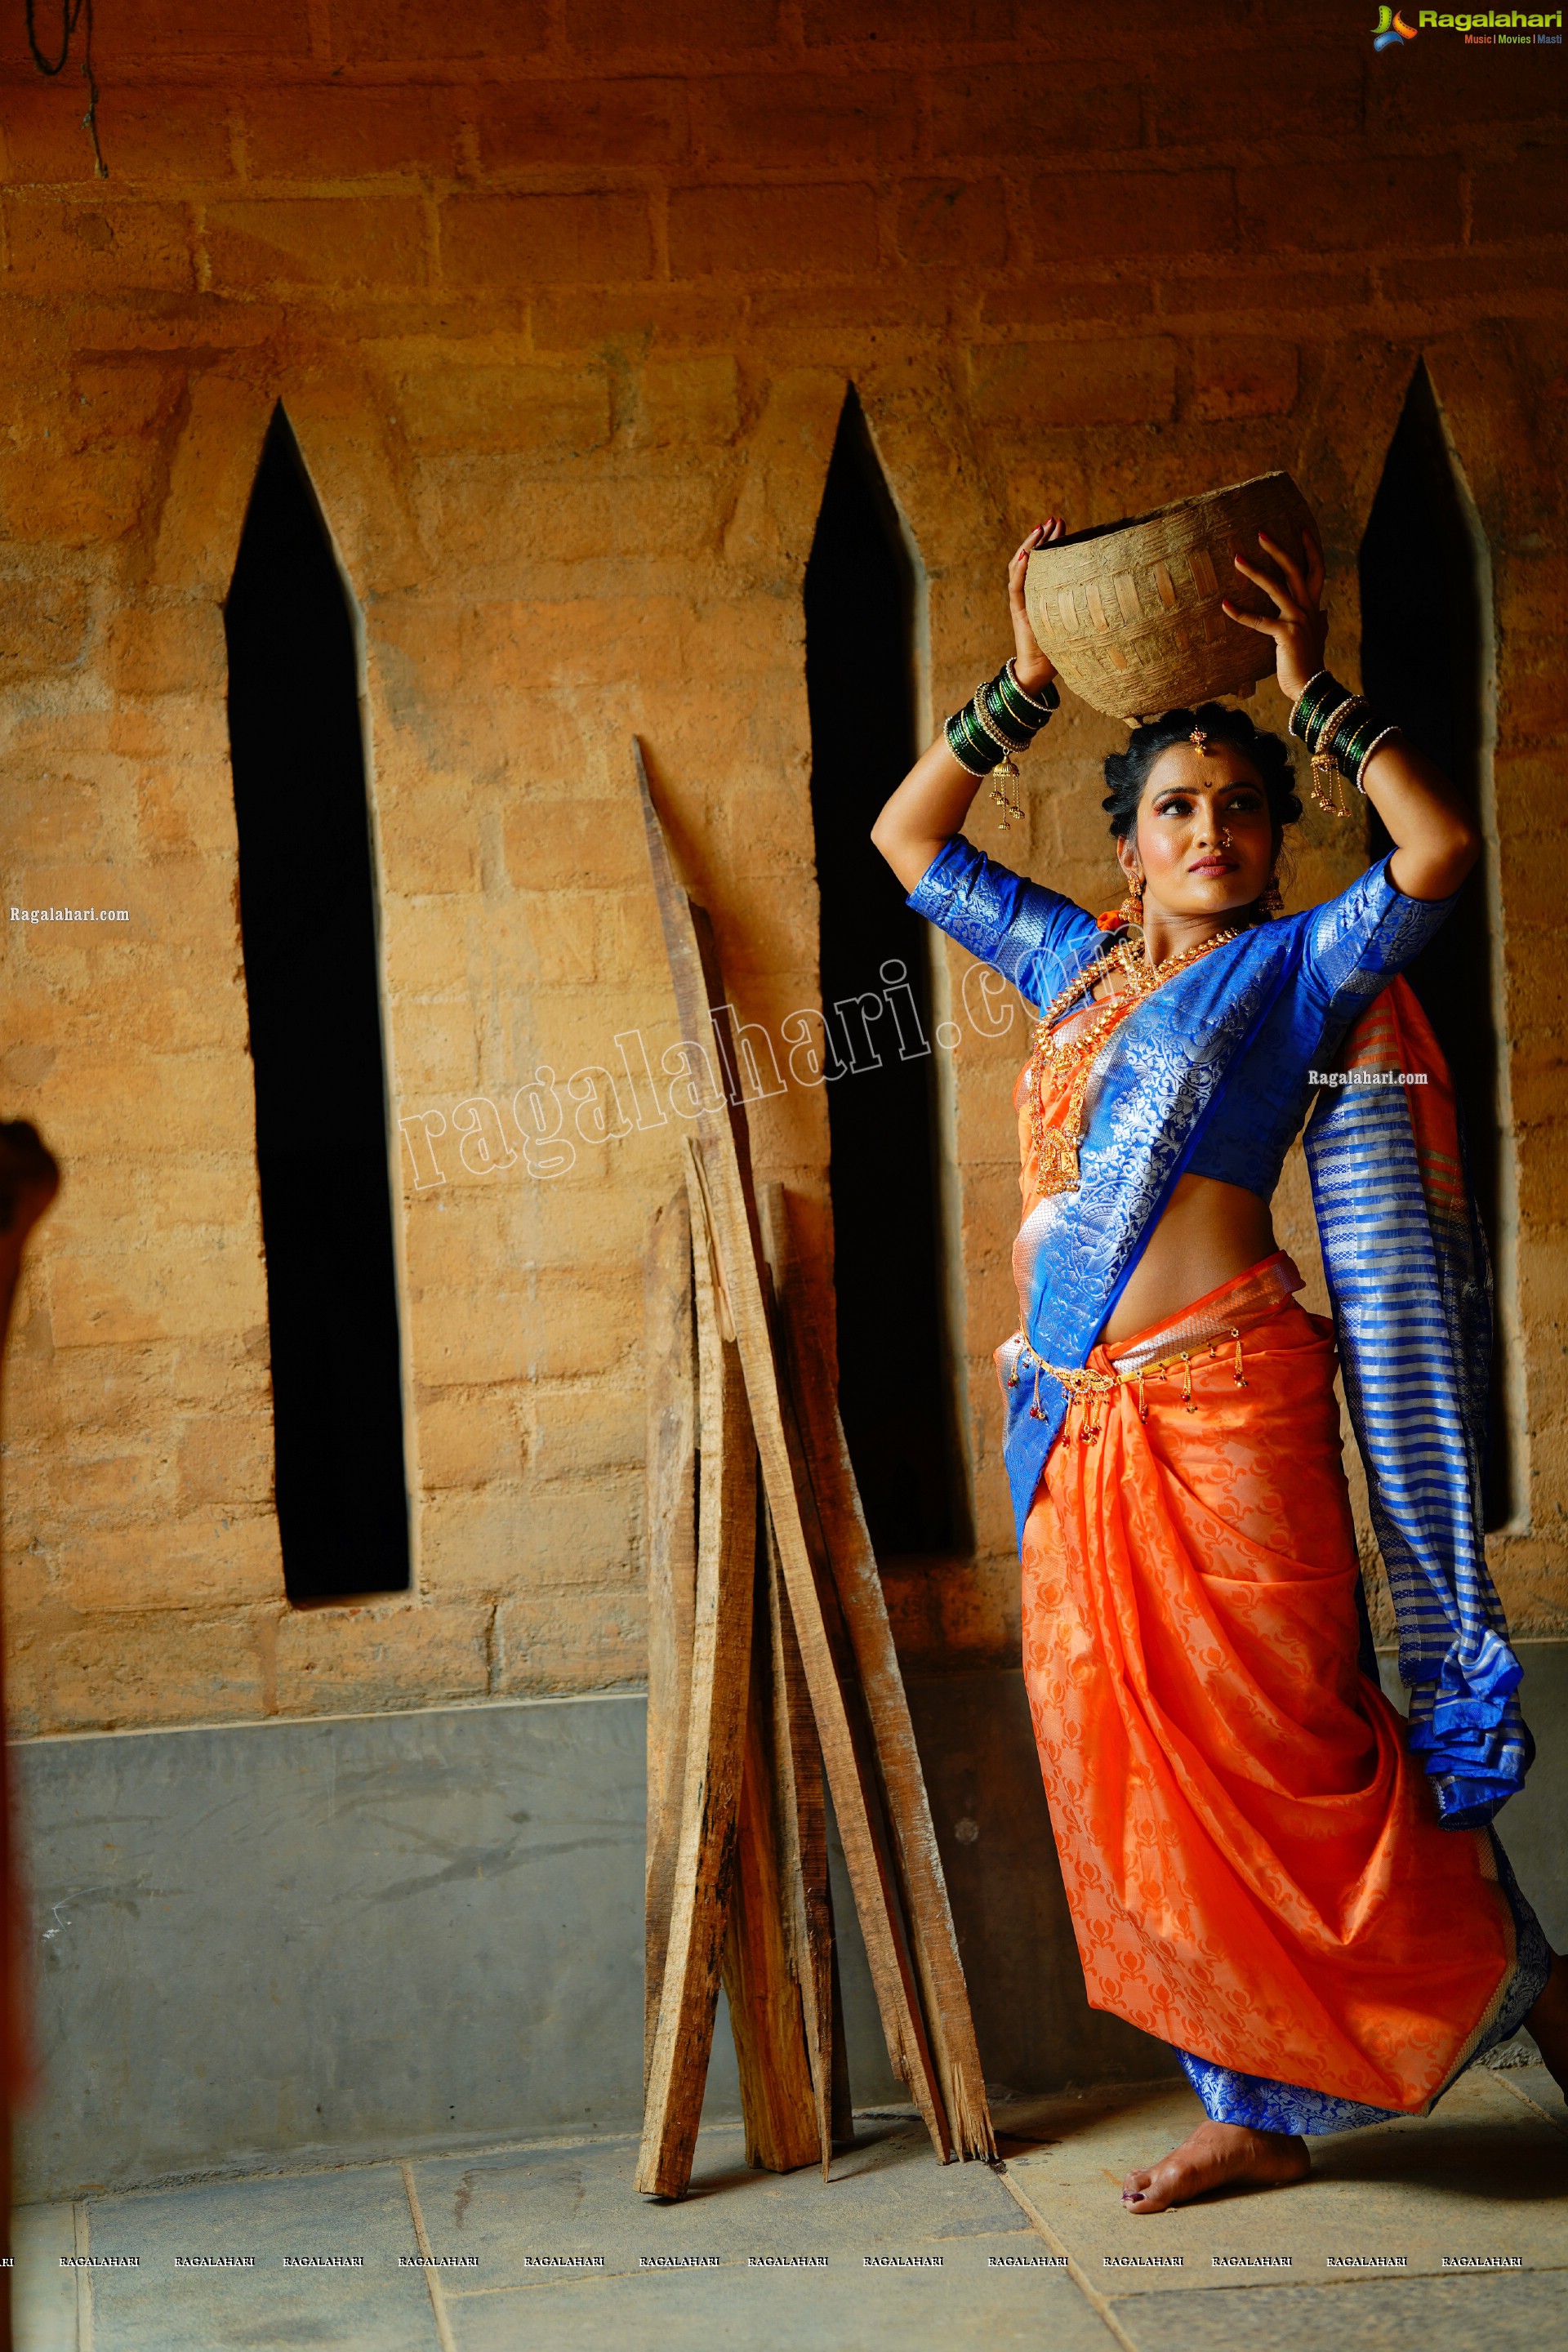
(1434, 842)
(930, 804)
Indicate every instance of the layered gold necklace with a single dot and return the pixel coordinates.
(1072, 1062)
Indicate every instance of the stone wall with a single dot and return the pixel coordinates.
(563, 302)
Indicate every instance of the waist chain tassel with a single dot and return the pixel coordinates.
(1081, 1384)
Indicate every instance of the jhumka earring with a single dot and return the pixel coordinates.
(1271, 903)
(1129, 916)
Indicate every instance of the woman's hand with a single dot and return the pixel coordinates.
(1029, 663)
(1299, 629)
(934, 798)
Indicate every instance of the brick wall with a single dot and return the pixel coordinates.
(562, 306)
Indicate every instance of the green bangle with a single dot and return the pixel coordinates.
(977, 734)
(966, 761)
(1029, 708)
(1320, 741)
(1007, 744)
(1317, 698)
(961, 742)
(1000, 718)
(1304, 704)
(1354, 744)
(1353, 738)
(997, 719)
(1339, 739)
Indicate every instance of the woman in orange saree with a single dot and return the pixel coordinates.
(1256, 1849)
(1252, 1858)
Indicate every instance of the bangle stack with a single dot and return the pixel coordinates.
(999, 719)
(1341, 731)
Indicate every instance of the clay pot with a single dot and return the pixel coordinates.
(1129, 612)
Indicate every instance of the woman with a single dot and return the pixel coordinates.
(1265, 1866)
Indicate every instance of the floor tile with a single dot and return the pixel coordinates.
(42, 2295)
(1517, 2314)
(1485, 2175)
(160, 2307)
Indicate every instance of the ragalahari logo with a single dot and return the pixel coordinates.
(1390, 29)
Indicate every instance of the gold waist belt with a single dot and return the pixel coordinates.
(1163, 1354)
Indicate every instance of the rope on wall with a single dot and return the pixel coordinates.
(72, 14)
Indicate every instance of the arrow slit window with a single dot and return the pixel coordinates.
(308, 924)
(896, 1386)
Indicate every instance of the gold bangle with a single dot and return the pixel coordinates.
(1375, 745)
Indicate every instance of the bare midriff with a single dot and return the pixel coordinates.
(1208, 1233)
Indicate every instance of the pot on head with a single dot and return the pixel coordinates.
(1129, 612)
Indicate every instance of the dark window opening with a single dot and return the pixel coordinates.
(308, 918)
(895, 1386)
(1426, 660)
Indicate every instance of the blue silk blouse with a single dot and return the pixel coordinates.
(1336, 956)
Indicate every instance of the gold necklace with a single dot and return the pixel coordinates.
(1056, 1149)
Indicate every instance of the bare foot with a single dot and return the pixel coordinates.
(1548, 2020)
(1216, 2156)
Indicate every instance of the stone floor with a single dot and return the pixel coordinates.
(1414, 2237)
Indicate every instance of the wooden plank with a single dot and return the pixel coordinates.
(806, 1335)
(767, 2010)
(669, 1372)
(802, 1812)
(842, 2109)
(715, 1743)
(862, 1746)
(722, 1155)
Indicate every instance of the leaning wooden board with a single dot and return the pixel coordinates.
(802, 1814)
(807, 1348)
(767, 1995)
(763, 1988)
(856, 1713)
(715, 1744)
(722, 1148)
(670, 1379)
